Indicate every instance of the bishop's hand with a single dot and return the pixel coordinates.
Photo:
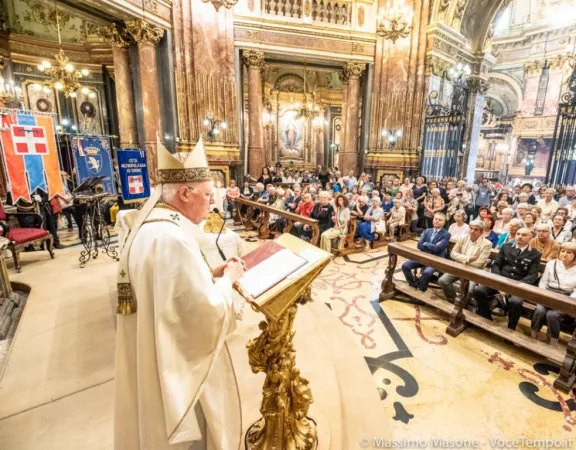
(220, 271)
(233, 269)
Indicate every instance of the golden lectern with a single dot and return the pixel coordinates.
(286, 395)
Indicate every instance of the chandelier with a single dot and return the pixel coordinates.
(395, 22)
(63, 76)
(218, 3)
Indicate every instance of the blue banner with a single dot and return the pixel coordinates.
(93, 159)
(133, 171)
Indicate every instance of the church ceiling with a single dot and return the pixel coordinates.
(37, 18)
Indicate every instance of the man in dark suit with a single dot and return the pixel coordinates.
(517, 261)
(435, 241)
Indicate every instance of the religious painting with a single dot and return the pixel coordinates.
(38, 100)
(531, 158)
(89, 112)
(291, 135)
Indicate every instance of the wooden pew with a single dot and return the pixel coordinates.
(262, 222)
(459, 315)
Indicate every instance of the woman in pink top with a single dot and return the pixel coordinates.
(232, 193)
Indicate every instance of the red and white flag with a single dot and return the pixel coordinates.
(29, 140)
(135, 184)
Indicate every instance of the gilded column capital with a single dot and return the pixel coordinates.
(354, 69)
(116, 36)
(144, 32)
(436, 66)
(253, 58)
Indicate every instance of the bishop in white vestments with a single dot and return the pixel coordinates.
(175, 384)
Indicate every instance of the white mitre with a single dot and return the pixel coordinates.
(179, 168)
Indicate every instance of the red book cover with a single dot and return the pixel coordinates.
(260, 254)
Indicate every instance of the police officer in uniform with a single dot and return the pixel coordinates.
(517, 261)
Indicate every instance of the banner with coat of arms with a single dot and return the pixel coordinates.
(30, 153)
(93, 159)
(133, 172)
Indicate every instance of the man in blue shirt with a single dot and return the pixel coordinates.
(434, 241)
(483, 196)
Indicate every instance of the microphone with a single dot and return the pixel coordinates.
(222, 255)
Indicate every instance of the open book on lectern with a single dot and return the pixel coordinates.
(267, 266)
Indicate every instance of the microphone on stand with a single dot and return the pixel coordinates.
(222, 255)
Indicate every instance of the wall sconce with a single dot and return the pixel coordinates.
(393, 136)
(268, 119)
(214, 126)
(335, 147)
(395, 22)
(10, 92)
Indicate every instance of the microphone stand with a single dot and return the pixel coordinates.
(222, 255)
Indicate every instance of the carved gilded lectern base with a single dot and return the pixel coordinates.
(286, 394)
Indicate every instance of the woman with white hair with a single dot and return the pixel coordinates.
(368, 227)
(459, 228)
(558, 231)
(503, 225)
(460, 192)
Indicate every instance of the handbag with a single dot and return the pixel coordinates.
(65, 201)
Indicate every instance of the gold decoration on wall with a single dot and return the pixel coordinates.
(458, 14)
(219, 3)
(253, 58)
(354, 69)
(116, 35)
(144, 32)
(46, 15)
(357, 48)
(253, 35)
(436, 66)
(151, 5)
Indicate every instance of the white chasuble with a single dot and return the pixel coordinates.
(171, 355)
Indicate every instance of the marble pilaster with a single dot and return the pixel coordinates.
(349, 150)
(254, 60)
(478, 88)
(146, 37)
(319, 148)
(343, 120)
(124, 96)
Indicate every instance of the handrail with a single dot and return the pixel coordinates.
(466, 274)
(251, 223)
(545, 297)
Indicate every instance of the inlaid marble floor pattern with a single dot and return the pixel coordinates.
(58, 387)
(471, 387)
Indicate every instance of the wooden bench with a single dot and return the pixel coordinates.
(459, 315)
(262, 222)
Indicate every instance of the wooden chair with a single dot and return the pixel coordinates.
(13, 228)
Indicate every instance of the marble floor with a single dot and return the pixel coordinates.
(57, 388)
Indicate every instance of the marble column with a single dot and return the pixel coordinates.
(478, 88)
(124, 96)
(343, 120)
(254, 60)
(147, 36)
(320, 148)
(349, 149)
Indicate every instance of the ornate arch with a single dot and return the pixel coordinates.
(290, 82)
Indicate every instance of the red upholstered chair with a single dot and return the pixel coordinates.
(22, 237)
